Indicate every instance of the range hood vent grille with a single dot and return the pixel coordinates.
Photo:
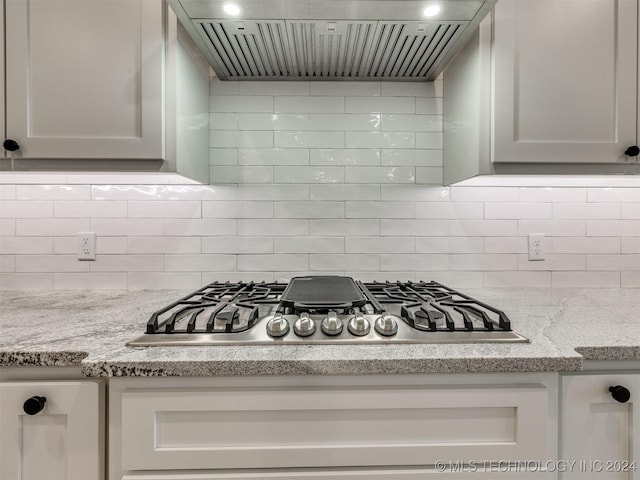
(326, 49)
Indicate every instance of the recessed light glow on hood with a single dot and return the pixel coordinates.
(232, 9)
(431, 10)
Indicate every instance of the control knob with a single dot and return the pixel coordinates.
(358, 325)
(386, 325)
(34, 405)
(331, 324)
(277, 326)
(620, 393)
(304, 326)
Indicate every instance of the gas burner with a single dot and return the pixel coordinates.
(326, 310)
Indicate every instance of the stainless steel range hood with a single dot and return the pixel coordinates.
(330, 39)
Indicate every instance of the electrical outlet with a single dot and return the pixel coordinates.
(87, 246)
(536, 246)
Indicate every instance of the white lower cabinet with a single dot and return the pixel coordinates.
(62, 438)
(401, 427)
(599, 432)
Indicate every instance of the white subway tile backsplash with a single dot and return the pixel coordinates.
(585, 279)
(26, 245)
(127, 192)
(315, 174)
(344, 192)
(26, 281)
(162, 244)
(353, 261)
(553, 194)
(224, 121)
(506, 210)
(53, 227)
(7, 263)
(314, 139)
(381, 140)
(162, 280)
(413, 262)
(356, 244)
(309, 210)
(273, 88)
(223, 156)
(237, 209)
(274, 121)
(273, 192)
(353, 89)
(127, 263)
(271, 263)
(484, 262)
(630, 210)
(242, 174)
(239, 104)
(411, 158)
(316, 178)
(429, 140)
(89, 209)
(273, 227)
(413, 89)
(380, 210)
(201, 226)
(613, 228)
(332, 156)
(241, 138)
(587, 245)
(303, 104)
(90, 281)
(346, 227)
(429, 106)
(614, 262)
(50, 263)
(309, 245)
(429, 175)
(7, 192)
(245, 245)
(380, 175)
(417, 228)
(199, 263)
(587, 210)
(26, 209)
(411, 123)
(380, 105)
(628, 245)
(521, 279)
(7, 226)
(450, 210)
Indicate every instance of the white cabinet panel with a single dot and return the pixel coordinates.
(84, 78)
(565, 80)
(62, 442)
(309, 427)
(600, 433)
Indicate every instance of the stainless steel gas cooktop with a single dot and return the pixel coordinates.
(326, 310)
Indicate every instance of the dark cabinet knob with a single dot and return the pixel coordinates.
(34, 405)
(620, 394)
(632, 151)
(12, 145)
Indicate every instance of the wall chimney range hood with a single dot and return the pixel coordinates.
(330, 39)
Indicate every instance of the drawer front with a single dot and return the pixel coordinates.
(312, 427)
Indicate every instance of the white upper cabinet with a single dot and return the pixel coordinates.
(565, 80)
(84, 78)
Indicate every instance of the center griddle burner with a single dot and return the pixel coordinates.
(326, 310)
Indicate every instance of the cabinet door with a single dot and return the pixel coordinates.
(565, 80)
(84, 78)
(601, 434)
(62, 442)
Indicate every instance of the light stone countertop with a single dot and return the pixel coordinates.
(90, 329)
